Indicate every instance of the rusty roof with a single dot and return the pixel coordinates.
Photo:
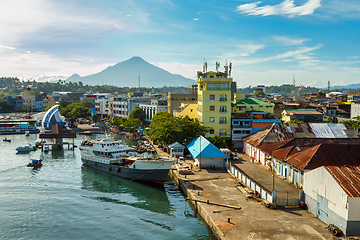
(326, 154)
(348, 177)
(278, 132)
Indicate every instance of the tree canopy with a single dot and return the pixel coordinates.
(218, 141)
(138, 113)
(165, 128)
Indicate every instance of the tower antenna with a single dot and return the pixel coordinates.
(139, 83)
(294, 80)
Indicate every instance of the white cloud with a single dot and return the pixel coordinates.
(186, 70)
(287, 7)
(288, 41)
(195, 19)
(7, 47)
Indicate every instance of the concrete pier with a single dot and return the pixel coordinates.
(232, 215)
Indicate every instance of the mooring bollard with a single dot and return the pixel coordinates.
(228, 220)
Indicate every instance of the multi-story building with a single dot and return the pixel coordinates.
(214, 101)
(48, 101)
(248, 116)
(122, 106)
(28, 99)
(156, 105)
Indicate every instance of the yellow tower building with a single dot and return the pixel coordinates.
(214, 100)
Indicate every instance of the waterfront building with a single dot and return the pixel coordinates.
(278, 142)
(206, 154)
(332, 192)
(215, 91)
(176, 150)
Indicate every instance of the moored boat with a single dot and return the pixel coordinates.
(26, 148)
(6, 140)
(86, 133)
(113, 157)
(35, 163)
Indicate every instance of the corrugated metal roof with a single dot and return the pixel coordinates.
(284, 131)
(328, 130)
(348, 177)
(200, 147)
(328, 154)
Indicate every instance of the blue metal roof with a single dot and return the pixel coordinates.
(200, 147)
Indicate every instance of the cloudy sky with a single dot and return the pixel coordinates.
(268, 42)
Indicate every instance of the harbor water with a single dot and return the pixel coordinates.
(65, 200)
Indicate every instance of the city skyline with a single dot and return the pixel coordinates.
(268, 42)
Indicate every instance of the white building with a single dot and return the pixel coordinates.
(122, 106)
(333, 195)
(156, 105)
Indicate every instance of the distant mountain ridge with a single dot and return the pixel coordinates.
(127, 73)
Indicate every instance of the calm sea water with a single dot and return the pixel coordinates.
(65, 200)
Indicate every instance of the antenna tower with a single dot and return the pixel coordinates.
(139, 83)
(328, 86)
(294, 80)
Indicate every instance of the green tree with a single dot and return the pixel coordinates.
(218, 141)
(6, 106)
(95, 118)
(165, 128)
(138, 113)
(132, 124)
(79, 111)
(353, 123)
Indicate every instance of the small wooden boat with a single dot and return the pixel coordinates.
(27, 133)
(6, 140)
(35, 163)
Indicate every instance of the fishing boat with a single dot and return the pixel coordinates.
(27, 133)
(6, 140)
(26, 148)
(86, 133)
(35, 163)
(114, 157)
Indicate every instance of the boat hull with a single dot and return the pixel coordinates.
(147, 175)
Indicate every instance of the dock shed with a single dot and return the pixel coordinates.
(206, 154)
(176, 150)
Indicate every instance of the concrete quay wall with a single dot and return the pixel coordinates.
(185, 187)
(231, 215)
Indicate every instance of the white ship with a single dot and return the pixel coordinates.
(121, 160)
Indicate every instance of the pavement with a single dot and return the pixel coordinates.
(264, 176)
(253, 220)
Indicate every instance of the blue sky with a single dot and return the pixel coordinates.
(268, 42)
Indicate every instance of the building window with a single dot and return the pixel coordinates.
(223, 98)
(223, 120)
(223, 109)
(211, 119)
(222, 132)
(210, 86)
(212, 97)
(236, 122)
(212, 108)
(217, 87)
(224, 86)
(211, 131)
